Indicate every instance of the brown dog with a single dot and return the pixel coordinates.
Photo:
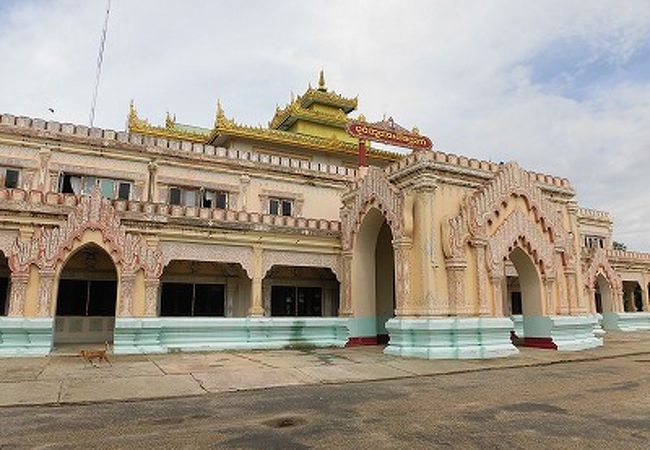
(92, 355)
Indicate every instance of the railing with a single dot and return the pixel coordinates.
(149, 211)
(469, 163)
(123, 137)
(594, 214)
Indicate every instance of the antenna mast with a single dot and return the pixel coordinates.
(100, 59)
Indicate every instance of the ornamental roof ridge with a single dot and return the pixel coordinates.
(295, 110)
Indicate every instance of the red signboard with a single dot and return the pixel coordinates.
(388, 132)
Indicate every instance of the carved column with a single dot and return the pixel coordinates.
(458, 302)
(644, 294)
(405, 305)
(232, 285)
(551, 308)
(573, 298)
(45, 290)
(481, 268)
(423, 285)
(18, 288)
(345, 290)
(152, 183)
(127, 281)
(257, 300)
(151, 296)
(43, 181)
(497, 294)
(628, 297)
(591, 296)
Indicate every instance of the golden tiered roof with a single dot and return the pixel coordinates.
(316, 106)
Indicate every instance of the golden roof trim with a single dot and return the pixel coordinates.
(338, 119)
(228, 127)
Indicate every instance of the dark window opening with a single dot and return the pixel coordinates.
(599, 303)
(286, 208)
(4, 285)
(222, 200)
(11, 178)
(292, 301)
(280, 207)
(515, 303)
(174, 196)
(86, 298)
(274, 206)
(124, 191)
(66, 185)
(192, 300)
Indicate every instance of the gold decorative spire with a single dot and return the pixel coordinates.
(170, 120)
(321, 81)
(220, 115)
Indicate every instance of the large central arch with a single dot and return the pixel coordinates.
(86, 297)
(373, 272)
(374, 276)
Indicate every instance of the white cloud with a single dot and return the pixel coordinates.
(464, 72)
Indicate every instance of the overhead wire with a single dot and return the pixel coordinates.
(100, 60)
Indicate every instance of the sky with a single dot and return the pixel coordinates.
(562, 87)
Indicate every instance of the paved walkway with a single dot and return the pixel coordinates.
(62, 378)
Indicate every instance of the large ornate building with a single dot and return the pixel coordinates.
(177, 237)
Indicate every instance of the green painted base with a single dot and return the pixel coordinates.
(21, 336)
(367, 326)
(518, 322)
(626, 321)
(164, 334)
(450, 338)
(568, 333)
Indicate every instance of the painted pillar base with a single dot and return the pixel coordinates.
(165, 334)
(627, 321)
(564, 333)
(598, 326)
(450, 338)
(20, 336)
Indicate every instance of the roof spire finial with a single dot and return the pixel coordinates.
(220, 115)
(321, 81)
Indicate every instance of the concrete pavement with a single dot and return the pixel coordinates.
(67, 379)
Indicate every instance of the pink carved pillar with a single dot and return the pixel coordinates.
(45, 291)
(403, 298)
(458, 302)
(591, 298)
(127, 282)
(151, 290)
(345, 290)
(18, 289)
(497, 282)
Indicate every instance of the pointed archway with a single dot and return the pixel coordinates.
(375, 270)
(373, 274)
(86, 297)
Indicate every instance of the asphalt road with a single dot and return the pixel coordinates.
(596, 404)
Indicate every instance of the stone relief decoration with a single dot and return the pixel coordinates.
(599, 264)
(272, 258)
(480, 208)
(519, 230)
(373, 190)
(50, 246)
(207, 252)
(542, 237)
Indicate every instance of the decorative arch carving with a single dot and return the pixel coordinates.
(272, 258)
(519, 230)
(374, 190)
(207, 252)
(484, 205)
(49, 247)
(599, 264)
